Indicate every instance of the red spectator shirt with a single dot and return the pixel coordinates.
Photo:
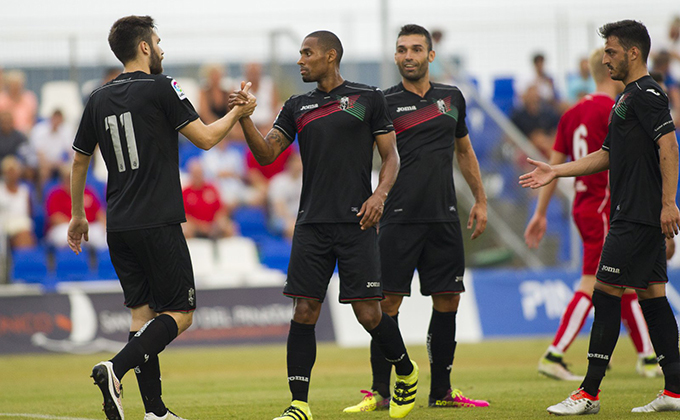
(202, 203)
(582, 130)
(59, 202)
(268, 171)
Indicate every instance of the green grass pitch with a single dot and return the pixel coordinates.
(250, 383)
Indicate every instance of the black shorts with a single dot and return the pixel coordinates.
(154, 268)
(435, 249)
(317, 247)
(634, 256)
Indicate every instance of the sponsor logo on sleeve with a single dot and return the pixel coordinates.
(178, 90)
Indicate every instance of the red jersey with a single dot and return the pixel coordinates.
(582, 130)
(59, 201)
(202, 203)
(273, 168)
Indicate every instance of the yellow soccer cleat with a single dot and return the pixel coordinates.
(370, 402)
(404, 395)
(298, 410)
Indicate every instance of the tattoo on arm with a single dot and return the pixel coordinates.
(277, 140)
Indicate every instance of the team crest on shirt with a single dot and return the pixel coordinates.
(178, 90)
(344, 103)
(621, 106)
(441, 105)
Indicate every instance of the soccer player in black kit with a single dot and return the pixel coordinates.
(134, 119)
(337, 124)
(641, 153)
(420, 227)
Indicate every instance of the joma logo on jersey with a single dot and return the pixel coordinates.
(310, 106)
(406, 108)
(610, 269)
(372, 284)
(598, 356)
(298, 378)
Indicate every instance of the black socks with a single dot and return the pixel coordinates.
(441, 346)
(388, 338)
(380, 367)
(663, 331)
(149, 381)
(603, 338)
(300, 357)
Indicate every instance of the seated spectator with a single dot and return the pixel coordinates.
(213, 99)
(225, 165)
(284, 197)
(661, 64)
(260, 175)
(15, 215)
(58, 206)
(50, 145)
(581, 84)
(22, 103)
(537, 120)
(206, 216)
(12, 141)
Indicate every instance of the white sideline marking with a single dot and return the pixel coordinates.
(41, 416)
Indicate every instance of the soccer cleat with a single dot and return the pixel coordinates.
(663, 402)
(103, 376)
(648, 367)
(404, 395)
(168, 416)
(455, 398)
(370, 402)
(579, 402)
(552, 366)
(298, 410)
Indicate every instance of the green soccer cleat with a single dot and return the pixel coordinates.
(371, 402)
(298, 410)
(404, 395)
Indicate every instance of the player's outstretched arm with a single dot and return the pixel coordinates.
(469, 167)
(544, 174)
(78, 226)
(538, 224)
(668, 162)
(207, 136)
(372, 209)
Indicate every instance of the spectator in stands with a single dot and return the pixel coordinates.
(284, 197)
(264, 89)
(672, 46)
(22, 103)
(15, 215)
(12, 141)
(260, 175)
(206, 216)
(661, 64)
(581, 84)
(225, 165)
(536, 119)
(50, 146)
(58, 206)
(212, 103)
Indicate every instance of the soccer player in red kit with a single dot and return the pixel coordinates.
(582, 130)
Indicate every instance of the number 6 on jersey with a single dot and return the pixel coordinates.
(111, 123)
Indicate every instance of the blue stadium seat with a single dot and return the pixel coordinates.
(29, 265)
(105, 270)
(275, 253)
(504, 94)
(72, 267)
(252, 222)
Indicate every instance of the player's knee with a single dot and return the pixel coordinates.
(184, 321)
(369, 319)
(446, 303)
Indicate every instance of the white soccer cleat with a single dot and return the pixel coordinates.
(103, 376)
(552, 366)
(662, 402)
(168, 416)
(579, 402)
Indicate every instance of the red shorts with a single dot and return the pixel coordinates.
(593, 227)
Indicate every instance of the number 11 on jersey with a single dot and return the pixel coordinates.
(111, 123)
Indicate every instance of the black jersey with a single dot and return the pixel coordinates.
(426, 130)
(639, 118)
(134, 119)
(336, 132)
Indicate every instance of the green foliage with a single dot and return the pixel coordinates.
(250, 383)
